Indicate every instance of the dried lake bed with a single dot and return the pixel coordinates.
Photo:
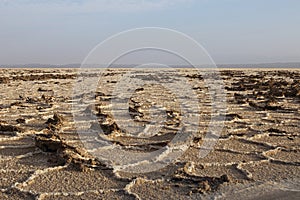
(255, 153)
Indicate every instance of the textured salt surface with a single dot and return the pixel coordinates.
(256, 156)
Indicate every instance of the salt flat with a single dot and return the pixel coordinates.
(255, 154)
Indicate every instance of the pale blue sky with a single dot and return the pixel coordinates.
(232, 31)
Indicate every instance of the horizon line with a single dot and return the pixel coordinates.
(223, 65)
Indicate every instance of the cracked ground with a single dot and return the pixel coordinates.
(256, 154)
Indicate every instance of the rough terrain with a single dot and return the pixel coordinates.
(256, 154)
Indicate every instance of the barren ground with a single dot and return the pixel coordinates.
(255, 156)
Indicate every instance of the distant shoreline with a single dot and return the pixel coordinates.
(126, 66)
(201, 69)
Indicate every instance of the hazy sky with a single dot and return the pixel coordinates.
(232, 31)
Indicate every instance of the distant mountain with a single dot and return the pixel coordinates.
(78, 65)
